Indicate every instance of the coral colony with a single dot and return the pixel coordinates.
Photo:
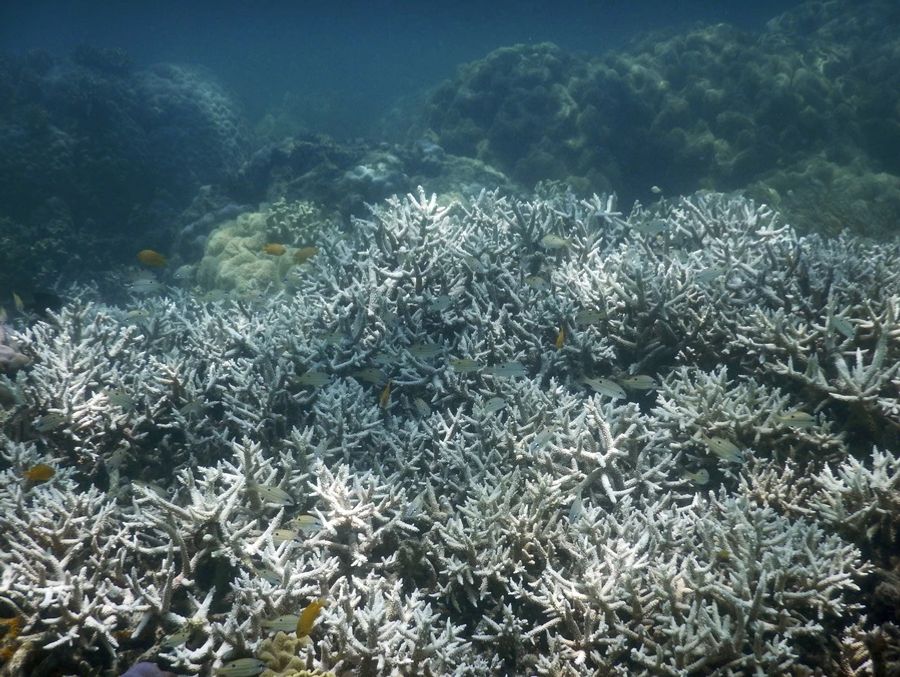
(473, 436)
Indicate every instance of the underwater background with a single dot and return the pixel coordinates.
(394, 338)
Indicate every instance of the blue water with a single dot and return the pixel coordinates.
(351, 60)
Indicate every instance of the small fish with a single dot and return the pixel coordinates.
(464, 365)
(334, 338)
(422, 407)
(536, 282)
(151, 258)
(306, 524)
(494, 404)
(796, 419)
(370, 375)
(723, 448)
(384, 399)
(145, 286)
(652, 227)
(178, 637)
(638, 382)
(541, 439)
(39, 473)
(656, 190)
(383, 358)
(700, 478)
(284, 535)
(18, 303)
(150, 487)
(560, 338)
(589, 316)
(242, 667)
(314, 379)
(50, 422)
(285, 623)
(710, 274)
(551, 241)
(269, 575)
(184, 273)
(576, 510)
(474, 264)
(308, 617)
(304, 254)
(274, 249)
(191, 408)
(424, 351)
(389, 317)
(119, 397)
(137, 314)
(440, 304)
(507, 370)
(843, 326)
(271, 494)
(605, 386)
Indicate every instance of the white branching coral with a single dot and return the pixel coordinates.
(495, 435)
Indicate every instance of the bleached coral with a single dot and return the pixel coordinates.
(418, 436)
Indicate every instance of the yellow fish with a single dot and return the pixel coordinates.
(151, 258)
(18, 303)
(385, 398)
(304, 254)
(560, 338)
(39, 473)
(308, 617)
(274, 249)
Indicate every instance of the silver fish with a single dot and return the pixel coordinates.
(507, 370)
(464, 365)
(551, 241)
(271, 494)
(242, 667)
(314, 379)
(286, 623)
(494, 404)
(424, 351)
(796, 419)
(723, 448)
(843, 326)
(606, 387)
(50, 422)
(638, 382)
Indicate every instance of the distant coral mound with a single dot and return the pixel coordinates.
(712, 107)
(96, 147)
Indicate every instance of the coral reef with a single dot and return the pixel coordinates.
(710, 107)
(498, 436)
(94, 150)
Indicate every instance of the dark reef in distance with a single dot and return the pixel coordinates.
(99, 158)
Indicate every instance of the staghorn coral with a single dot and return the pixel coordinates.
(228, 462)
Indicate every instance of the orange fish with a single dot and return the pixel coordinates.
(304, 254)
(274, 249)
(308, 617)
(39, 473)
(385, 398)
(560, 338)
(151, 258)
